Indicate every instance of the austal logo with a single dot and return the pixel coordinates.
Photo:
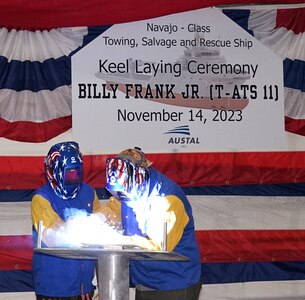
(186, 139)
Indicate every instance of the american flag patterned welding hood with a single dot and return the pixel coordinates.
(126, 180)
(64, 169)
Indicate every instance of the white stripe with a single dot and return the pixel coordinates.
(294, 103)
(40, 45)
(263, 290)
(263, 6)
(262, 21)
(210, 213)
(15, 218)
(38, 106)
(283, 42)
(13, 148)
(20, 296)
(246, 212)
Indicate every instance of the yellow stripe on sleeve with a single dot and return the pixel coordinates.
(176, 222)
(169, 209)
(42, 210)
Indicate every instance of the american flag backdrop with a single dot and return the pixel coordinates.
(249, 207)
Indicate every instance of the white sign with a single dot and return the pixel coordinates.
(190, 82)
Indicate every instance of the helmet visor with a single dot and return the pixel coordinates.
(141, 180)
(73, 176)
(118, 175)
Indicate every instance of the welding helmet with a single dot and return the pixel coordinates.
(64, 169)
(127, 176)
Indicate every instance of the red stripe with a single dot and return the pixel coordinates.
(190, 169)
(215, 246)
(292, 19)
(251, 245)
(16, 252)
(25, 131)
(295, 126)
(53, 14)
(16, 259)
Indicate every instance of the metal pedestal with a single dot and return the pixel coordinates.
(115, 284)
(112, 265)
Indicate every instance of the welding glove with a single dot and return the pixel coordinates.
(143, 242)
(112, 213)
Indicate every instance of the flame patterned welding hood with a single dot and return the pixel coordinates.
(64, 169)
(127, 175)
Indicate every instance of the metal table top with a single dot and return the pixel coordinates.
(133, 253)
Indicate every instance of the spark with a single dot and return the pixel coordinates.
(83, 229)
